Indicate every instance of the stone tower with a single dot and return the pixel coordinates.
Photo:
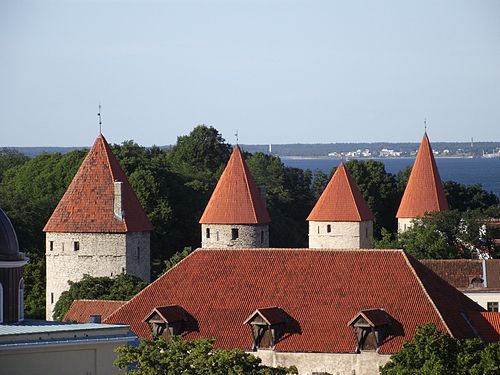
(236, 215)
(341, 219)
(98, 228)
(424, 191)
(12, 264)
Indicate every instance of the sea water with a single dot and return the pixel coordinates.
(463, 170)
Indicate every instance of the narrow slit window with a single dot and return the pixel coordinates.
(51, 245)
(318, 229)
(328, 228)
(262, 236)
(138, 254)
(217, 235)
(51, 297)
(207, 232)
(234, 233)
(76, 245)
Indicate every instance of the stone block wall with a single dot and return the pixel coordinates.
(220, 236)
(404, 224)
(365, 363)
(71, 255)
(340, 235)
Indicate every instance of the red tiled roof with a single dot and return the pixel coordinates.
(87, 205)
(488, 325)
(236, 198)
(341, 200)
(457, 272)
(81, 309)
(424, 192)
(320, 290)
(460, 272)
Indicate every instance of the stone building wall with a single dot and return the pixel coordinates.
(220, 236)
(341, 235)
(71, 255)
(404, 224)
(365, 363)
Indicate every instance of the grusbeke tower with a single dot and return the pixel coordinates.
(341, 219)
(424, 192)
(98, 228)
(236, 215)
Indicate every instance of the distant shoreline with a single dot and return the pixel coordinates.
(369, 158)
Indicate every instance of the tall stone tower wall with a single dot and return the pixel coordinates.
(69, 256)
(341, 235)
(404, 224)
(222, 235)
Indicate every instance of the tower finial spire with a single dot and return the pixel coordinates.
(100, 119)
(236, 135)
(425, 125)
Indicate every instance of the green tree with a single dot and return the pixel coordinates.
(197, 357)
(432, 352)
(34, 281)
(461, 197)
(121, 287)
(10, 159)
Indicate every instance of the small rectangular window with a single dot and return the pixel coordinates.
(492, 306)
(62, 246)
(76, 245)
(217, 235)
(234, 233)
(51, 297)
(51, 245)
(328, 228)
(208, 232)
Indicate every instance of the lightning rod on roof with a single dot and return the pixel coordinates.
(100, 119)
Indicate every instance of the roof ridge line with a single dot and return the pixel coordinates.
(247, 184)
(434, 170)
(150, 284)
(405, 255)
(349, 182)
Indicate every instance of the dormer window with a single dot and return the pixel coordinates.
(476, 282)
(371, 328)
(268, 326)
(167, 321)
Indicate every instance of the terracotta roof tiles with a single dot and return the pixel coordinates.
(341, 200)
(236, 198)
(424, 192)
(87, 205)
(81, 309)
(321, 290)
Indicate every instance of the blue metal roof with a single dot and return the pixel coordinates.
(42, 326)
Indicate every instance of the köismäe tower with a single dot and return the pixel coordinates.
(424, 192)
(341, 219)
(236, 214)
(98, 228)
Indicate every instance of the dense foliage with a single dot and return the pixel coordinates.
(175, 184)
(197, 357)
(434, 353)
(121, 287)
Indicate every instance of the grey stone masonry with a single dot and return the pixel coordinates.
(341, 235)
(69, 256)
(234, 235)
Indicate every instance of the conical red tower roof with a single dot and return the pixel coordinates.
(424, 192)
(341, 200)
(236, 198)
(87, 205)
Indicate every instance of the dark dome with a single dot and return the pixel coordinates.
(8, 240)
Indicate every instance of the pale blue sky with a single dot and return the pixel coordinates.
(276, 71)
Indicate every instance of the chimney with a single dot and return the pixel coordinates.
(95, 319)
(263, 194)
(118, 200)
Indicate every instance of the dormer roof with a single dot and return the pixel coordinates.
(424, 191)
(341, 200)
(88, 204)
(236, 198)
